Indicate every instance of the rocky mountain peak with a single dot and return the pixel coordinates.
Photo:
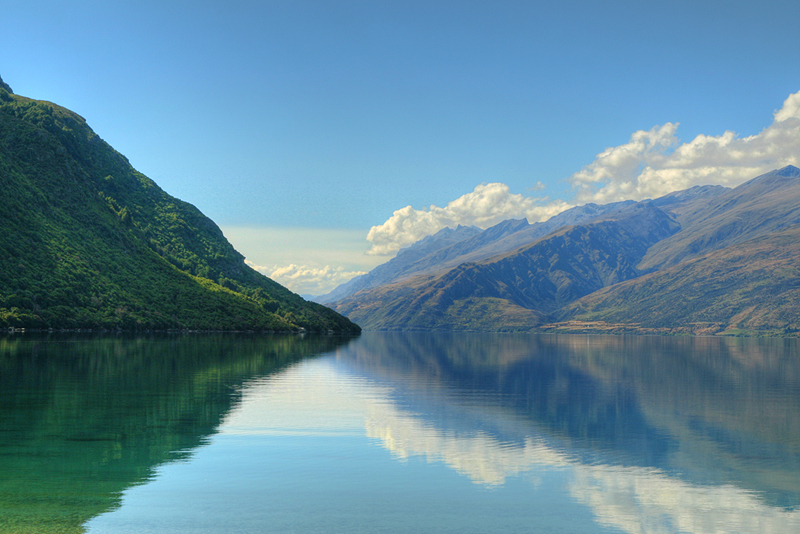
(789, 170)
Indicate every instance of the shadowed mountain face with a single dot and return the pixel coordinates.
(84, 418)
(450, 248)
(401, 264)
(731, 269)
(86, 241)
(542, 277)
(749, 287)
(762, 206)
(705, 260)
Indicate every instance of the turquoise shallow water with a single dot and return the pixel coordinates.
(395, 432)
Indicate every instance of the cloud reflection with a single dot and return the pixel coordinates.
(320, 397)
(640, 500)
(477, 455)
(633, 499)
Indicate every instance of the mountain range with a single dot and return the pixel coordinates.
(707, 260)
(87, 242)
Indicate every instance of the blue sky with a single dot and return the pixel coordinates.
(302, 127)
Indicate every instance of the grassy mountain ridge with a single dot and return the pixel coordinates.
(89, 242)
(705, 260)
(450, 248)
(516, 290)
(765, 204)
(745, 288)
(401, 265)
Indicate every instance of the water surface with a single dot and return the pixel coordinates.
(399, 432)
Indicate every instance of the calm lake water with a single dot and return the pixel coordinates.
(399, 433)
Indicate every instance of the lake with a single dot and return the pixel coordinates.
(397, 433)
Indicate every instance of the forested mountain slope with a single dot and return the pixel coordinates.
(86, 241)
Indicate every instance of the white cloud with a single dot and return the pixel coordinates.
(651, 164)
(309, 261)
(539, 186)
(302, 246)
(655, 162)
(632, 499)
(486, 206)
(307, 280)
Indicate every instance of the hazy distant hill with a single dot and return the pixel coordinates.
(494, 294)
(400, 264)
(88, 242)
(705, 260)
(450, 248)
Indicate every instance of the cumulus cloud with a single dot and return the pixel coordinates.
(307, 280)
(651, 164)
(486, 206)
(539, 186)
(655, 162)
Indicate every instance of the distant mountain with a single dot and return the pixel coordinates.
(86, 241)
(449, 248)
(705, 260)
(503, 237)
(766, 204)
(746, 288)
(518, 289)
(399, 265)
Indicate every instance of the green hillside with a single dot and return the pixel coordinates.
(86, 241)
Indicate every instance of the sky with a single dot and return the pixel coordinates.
(322, 136)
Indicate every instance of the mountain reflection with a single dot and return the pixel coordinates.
(650, 434)
(84, 418)
(662, 434)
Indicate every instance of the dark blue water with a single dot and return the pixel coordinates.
(393, 433)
